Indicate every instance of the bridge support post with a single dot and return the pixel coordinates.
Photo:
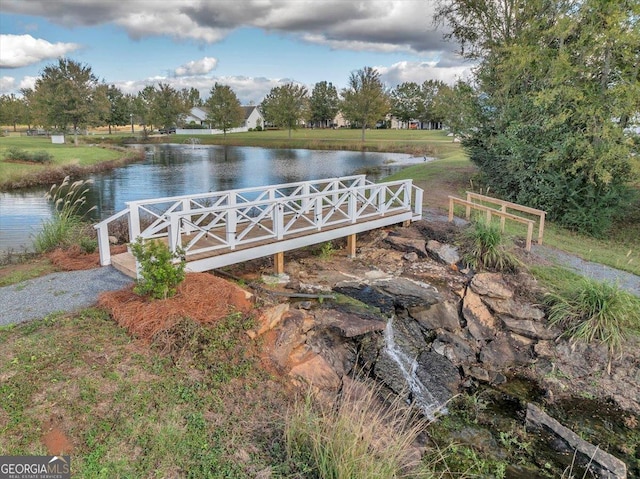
(278, 263)
(351, 246)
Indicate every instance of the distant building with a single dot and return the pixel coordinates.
(198, 117)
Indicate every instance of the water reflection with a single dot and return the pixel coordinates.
(172, 170)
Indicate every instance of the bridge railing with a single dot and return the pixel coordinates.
(238, 224)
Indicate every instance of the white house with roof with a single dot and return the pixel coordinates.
(198, 116)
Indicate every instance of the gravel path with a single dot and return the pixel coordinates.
(67, 291)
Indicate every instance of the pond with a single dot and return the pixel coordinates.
(174, 169)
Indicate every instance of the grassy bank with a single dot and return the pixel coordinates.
(66, 160)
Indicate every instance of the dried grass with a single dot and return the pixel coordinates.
(74, 259)
(201, 297)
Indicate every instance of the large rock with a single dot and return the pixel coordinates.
(348, 325)
(504, 352)
(440, 315)
(444, 253)
(314, 370)
(513, 308)
(408, 294)
(407, 245)
(491, 285)
(368, 295)
(601, 463)
(454, 348)
(439, 375)
(530, 329)
(481, 323)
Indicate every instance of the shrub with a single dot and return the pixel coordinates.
(66, 224)
(159, 274)
(486, 249)
(258, 128)
(17, 154)
(591, 310)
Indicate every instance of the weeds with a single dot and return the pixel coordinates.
(486, 248)
(66, 225)
(595, 311)
(17, 154)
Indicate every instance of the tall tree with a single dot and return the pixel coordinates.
(12, 110)
(119, 110)
(285, 106)
(223, 108)
(429, 91)
(365, 101)
(168, 107)
(191, 97)
(557, 82)
(324, 103)
(406, 102)
(64, 95)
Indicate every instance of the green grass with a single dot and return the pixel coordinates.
(132, 410)
(63, 156)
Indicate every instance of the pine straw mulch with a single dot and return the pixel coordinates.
(74, 259)
(202, 297)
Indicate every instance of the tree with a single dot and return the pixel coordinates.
(365, 101)
(167, 107)
(12, 110)
(456, 107)
(284, 106)
(119, 110)
(406, 102)
(191, 97)
(223, 108)
(429, 91)
(556, 86)
(324, 103)
(65, 95)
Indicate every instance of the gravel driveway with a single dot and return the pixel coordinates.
(67, 291)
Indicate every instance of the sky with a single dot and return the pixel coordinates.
(250, 45)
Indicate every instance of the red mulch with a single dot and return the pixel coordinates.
(202, 297)
(74, 259)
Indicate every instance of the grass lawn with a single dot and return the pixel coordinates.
(65, 158)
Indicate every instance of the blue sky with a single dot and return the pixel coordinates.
(251, 45)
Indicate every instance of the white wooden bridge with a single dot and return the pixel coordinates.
(221, 228)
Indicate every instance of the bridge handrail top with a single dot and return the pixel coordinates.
(251, 204)
(111, 218)
(240, 190)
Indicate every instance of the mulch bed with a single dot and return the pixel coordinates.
(74, 259)
(201, 297)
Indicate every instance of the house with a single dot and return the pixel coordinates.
(197, 117)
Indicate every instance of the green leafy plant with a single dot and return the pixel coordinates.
(486, 249)
(160, 273)
(66, 224)
(327, 250)
(18, 154)
(591, 310)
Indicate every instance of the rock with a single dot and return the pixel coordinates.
(513, 308)
(503, 352)
(408, 293)
(407, 245)
(477, 372)
(289, 337)
(530, 329)
(544, 349)
(368, 295)
(603, 464)
(270, 317)
(410, 257)
(444, 253)
(113, 240)
(348, 325)
(274, 279)
(313, 288)
(454, 348)
(492, 285)
(440, 376)
(317, 372)
(481, 323)
(440, 315)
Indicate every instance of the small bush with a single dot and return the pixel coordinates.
(159, 274)
(486, 249)
(17, 154)
(258, 128)
(591, 310)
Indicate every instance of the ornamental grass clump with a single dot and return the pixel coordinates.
(595, 311)
(160, 270)
(67, 224)
(486, 249)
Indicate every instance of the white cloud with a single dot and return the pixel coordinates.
(7, 84)
(197, 67)
(418, 72)
(21, 50)
(28, 82)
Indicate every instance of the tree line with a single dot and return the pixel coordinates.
(68, 97)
